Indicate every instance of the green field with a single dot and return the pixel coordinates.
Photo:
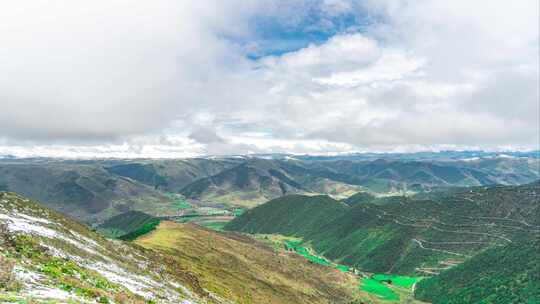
(377, 284)
(206, 217)
(402, 281)
(376, 287)
(303, 251)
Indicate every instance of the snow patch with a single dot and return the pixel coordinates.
(115, 274)
(25, 275)
(50, 293)
(34, 219)
(17, 223)
(85, 239)
(139, 284)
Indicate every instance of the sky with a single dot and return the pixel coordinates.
(178, 78)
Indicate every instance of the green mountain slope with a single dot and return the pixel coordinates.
(86, 192)
(291, 215)
(359, 198)
(509, 274)
(250, 183)
(94, 190)
(128, 225)
(407, 235)
(170, 175)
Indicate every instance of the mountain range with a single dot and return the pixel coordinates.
(270, 230)
(94, 190)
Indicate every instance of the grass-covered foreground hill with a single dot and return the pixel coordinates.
(246, 271)
(48, 258)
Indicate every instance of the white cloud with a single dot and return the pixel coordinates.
(342, 52)
(444, 73)
(336, 7)
(133, 78)
(390, 66)
(106, 69)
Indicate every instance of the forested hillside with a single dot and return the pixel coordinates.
(407, 235)
(508, 274)
(128, 225)
(290, 215)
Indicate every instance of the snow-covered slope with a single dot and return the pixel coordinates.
(45, 256)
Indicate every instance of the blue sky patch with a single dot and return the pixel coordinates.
(276, 36)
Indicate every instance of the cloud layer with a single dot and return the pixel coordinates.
(178, 78)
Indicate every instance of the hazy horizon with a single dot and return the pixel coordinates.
(457, 154)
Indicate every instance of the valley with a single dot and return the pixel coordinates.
(325, 236)
(92, 191)
(376, 287)
(427, 236)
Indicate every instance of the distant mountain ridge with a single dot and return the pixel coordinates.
(272, 178)
(83, 191)
(254, 181)
(94, 190)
